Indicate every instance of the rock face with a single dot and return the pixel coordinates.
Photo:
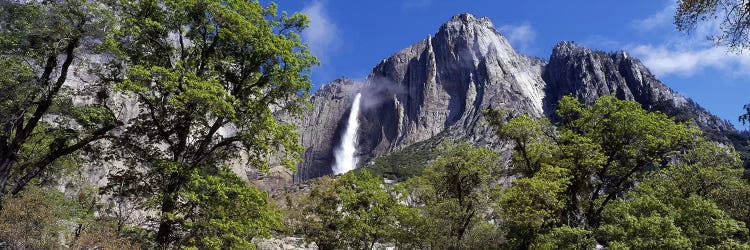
(321, 127)
(441, 84)
(446, 81)
(588, 75)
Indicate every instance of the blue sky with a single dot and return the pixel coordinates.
(350, 37)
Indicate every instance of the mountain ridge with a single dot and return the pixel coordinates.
(443, 82)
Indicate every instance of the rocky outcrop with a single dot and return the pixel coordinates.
(588, 75)
(440, 85)
(286, 243)
(447, 80)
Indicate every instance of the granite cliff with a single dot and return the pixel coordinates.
(437, 88)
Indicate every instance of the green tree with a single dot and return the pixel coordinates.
(531, 138)
(320, 214)
(565, 237)
(696, 203)
(711, 171)
(207, 76)
(622, 176)
(222, 211)
(41, 45)
(646, 221)
(355, 211)
(628, 142)
(532, 206)
(454, 194)
(570, 173)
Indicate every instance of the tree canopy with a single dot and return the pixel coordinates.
(617, 175)
(41, 120)
(206, 80)
(207, 77)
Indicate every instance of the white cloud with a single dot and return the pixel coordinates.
(323, 36)
(685, 54)
(658, 20)
(521, 36)
(664, 60)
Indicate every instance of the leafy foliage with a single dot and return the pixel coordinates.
(207, 76)
(623, 176)
(700, 199)
(565, 237)
(40, 218)
(40, 43)
(532, 206)
(222, 211)
(732, 14)
(355, 211)
(453, 195)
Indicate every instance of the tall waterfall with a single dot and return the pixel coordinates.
(345, 160)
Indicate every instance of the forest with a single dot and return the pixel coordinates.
(123, 125)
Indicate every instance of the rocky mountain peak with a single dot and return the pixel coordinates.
(567, 48)
(466, 19)
(439, 86)
(467, 36)
(589, 74)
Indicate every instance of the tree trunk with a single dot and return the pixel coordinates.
(23, 127)
(6, 162)
(166, 223)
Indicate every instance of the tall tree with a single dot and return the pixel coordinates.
(207, 76)
(617, 175)
(453, 195)
(353, 211)
(571, 173)
(696, 203)
(41, 42)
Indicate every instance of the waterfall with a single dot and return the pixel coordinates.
(344, 154)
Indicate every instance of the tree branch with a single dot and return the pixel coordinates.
(46, 102)
(207, 139)
(163, 131)
(42, 164)
(221, 144)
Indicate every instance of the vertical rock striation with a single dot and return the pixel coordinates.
(588, 75)
(441, 84)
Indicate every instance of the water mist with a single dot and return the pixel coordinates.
(344, 153)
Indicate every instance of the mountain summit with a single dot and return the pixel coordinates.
(436, 89)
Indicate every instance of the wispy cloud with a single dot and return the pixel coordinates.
(685, 54)
(323, 35)
(665, 60)
(323, 38)
(656, 21)
(416, 4)
(520, 36)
